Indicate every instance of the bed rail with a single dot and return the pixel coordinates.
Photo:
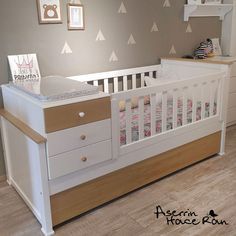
(119, 80)
(171, 107)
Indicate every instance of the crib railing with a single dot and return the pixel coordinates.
(189, 99)
(120, 80)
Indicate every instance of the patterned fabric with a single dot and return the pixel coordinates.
(169, 123)
(205, 49)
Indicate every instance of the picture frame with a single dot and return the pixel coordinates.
(75, 16)
(24, 67)
(49, 11)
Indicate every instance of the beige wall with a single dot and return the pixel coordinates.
(21, 33)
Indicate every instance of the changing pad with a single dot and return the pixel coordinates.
(54, 88)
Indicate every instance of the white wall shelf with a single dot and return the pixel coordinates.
(205, 10)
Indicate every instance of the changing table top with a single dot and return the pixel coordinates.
(54, 88)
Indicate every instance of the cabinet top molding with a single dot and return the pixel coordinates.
(206, 10)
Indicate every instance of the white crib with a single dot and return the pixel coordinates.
(203, 85)
(75, 159)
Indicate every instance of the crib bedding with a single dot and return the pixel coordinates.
(169, 123)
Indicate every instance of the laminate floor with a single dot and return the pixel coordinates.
(209, 185)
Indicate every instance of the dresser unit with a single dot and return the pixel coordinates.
(73, 134)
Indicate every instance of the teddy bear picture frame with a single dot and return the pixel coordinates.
(49, 11)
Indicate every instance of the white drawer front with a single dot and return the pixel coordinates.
(233, 72)
(78, 159)
(232, 100)
(73, 138)
(232, 87)
(231, 115)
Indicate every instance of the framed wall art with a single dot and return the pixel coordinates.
(24, 67)
(75, 16)
(49, 11)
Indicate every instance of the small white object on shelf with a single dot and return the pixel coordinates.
(194, 2)
(205, 10)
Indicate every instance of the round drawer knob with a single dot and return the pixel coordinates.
(83, 137)
(84, 159)
(81, 114)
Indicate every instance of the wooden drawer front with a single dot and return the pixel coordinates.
(73, 138)
(78, 159)
(71, 115)
(232, 100)
(232, 87)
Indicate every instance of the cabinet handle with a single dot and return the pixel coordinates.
(81, 114)
(83, 137)
(84, 159)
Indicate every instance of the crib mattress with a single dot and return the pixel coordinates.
(169, 123)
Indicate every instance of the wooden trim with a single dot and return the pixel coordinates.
(37, 138)
(207, 60)
(80, 199)
(67, 116)
(3, 178)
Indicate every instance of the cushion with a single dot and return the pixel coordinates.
(134, 103)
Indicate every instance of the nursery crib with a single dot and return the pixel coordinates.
(187, 100)
(84, 151)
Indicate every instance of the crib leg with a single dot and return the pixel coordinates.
(222, 144)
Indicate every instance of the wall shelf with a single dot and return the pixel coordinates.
(205, 10)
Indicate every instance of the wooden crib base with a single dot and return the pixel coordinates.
(80, 199)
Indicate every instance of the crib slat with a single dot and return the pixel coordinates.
(175, 109)
(95, 83)
(212, 97)
(142, 80)
(125, 83)
(134, 85)
(106, 86)
(141, 117)
(153, 113)
(202, 102)
(194, 102)
(128, 121)
(164, 111)
(219, 88)
(115, 82)
(184, 110)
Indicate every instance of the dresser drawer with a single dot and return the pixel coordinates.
(72, 115)
(232, 100)
(78, 159)
(233, 71)
(231, 115)
(232, 87)
(73, 138)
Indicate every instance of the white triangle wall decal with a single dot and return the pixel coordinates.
(100, 36)
(189, 29)
(122, 9)
(154, 27)
(113, 57)
(66, 49)
(131, 40)
(167, 3)
(172, 50)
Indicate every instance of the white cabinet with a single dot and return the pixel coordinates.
(203, 10)
(231, 114)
